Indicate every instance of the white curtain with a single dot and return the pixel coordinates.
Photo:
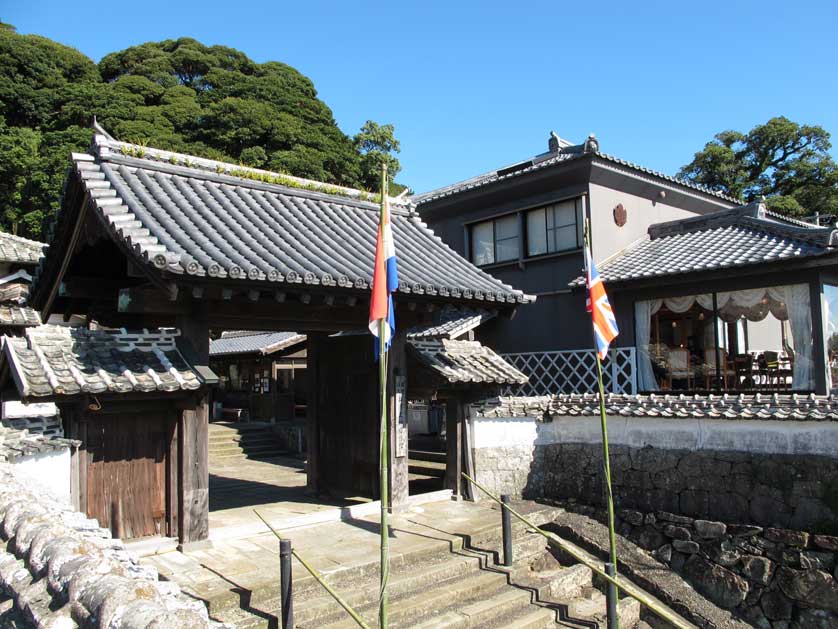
(796, 297)
(643, 312)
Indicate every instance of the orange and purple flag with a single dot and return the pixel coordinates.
(385, 280)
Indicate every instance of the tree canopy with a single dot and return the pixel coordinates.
(784, 161)
(180, 95)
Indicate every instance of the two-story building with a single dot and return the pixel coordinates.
(524, 224)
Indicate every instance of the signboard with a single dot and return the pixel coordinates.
(401, 416)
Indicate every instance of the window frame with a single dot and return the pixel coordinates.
(493, 221)
(550, 233)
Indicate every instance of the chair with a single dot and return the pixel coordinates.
(743, 364)
(771, 362)
(679, 366)
(710, 367)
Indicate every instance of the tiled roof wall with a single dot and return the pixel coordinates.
(757, 406)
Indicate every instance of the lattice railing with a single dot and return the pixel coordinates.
(574, 371)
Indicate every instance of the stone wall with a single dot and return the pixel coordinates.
(770, 473)
(60, 569)
(773, 578)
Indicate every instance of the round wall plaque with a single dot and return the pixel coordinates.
(620, 215)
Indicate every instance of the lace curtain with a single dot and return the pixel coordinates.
(785, 303)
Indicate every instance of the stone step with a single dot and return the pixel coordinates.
(429, 468)
(426, 455)
(422, 566)
(258, 452)
(246, 445)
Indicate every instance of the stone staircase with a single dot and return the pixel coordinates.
(452, 588)
(229, 442)
(426, 471)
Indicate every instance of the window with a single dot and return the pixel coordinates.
(557, 227)
(756, 339)
(495, 241)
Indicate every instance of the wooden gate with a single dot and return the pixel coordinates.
(128, 487)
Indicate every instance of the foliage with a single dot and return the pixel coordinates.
(786, 162)
(376, 144)
(179, 95)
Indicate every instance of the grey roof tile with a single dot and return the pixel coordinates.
(202, 219)
(20, 250)
(51, 360)
(248, 342)
(18, 316)
(775, 406)
(566, 153)
(465, 361)
(739, 237)
(451, 324)
(16, 443)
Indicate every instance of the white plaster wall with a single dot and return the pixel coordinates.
(608, 239)
(13, 409)
(50, 471)
(754, 436)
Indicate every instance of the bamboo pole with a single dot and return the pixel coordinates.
(384, 452)
(579, 555)
(606, 462)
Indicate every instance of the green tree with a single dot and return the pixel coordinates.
(786, 162)
(211, 101)
(377, 144)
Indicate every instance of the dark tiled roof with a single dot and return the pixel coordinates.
(775, 407)
(451, 324)
(20, 250)
(465, 361)
(244, 342)
(739, 237)
(565, 153)
(186, 215)
(56, 360)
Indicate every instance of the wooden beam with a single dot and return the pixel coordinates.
(313, 351)
(454, 445)
(193, 436)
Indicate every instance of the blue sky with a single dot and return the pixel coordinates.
(471, 86)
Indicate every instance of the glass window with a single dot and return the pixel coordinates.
(536, 232)
(495, 241)
(557, 227)
(757, 339)
(506, 238)
(483, 243)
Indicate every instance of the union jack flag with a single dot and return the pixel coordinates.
(605, 325)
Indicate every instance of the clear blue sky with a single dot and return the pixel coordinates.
(471, 86)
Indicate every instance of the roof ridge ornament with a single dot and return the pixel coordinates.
(591, 144)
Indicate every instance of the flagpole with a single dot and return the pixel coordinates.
(384, 451)
(613, 619)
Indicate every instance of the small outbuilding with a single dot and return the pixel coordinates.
(125, 397)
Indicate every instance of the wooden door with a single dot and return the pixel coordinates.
(127, 488)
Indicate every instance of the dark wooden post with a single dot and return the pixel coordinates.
(454, 445)
(313, 347)
(193, 436)
(397, 385)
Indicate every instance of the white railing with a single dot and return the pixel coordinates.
(574, 371)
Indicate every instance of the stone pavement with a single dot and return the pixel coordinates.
(276, 487)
